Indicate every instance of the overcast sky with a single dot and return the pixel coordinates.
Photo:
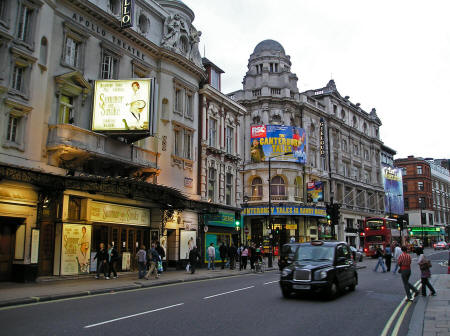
(391, 55)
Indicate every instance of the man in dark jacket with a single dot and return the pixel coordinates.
(153, 258)
(193, 258)
(232, 251)
(223, 254)
(161, 253)
(102, 261)
(113, 257)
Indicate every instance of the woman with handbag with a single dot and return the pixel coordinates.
(425, 265)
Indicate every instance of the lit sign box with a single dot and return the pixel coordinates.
(124, 106)
(276, 140)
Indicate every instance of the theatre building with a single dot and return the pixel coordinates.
(97, 132)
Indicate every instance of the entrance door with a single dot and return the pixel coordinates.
(7, 239)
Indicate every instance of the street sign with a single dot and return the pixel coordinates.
(205, 228)
(246, 230)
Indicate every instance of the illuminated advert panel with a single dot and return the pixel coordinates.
(124, 106)
(276, 140)
(393, 189)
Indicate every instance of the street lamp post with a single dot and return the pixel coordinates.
(421, 221)
(270, 262)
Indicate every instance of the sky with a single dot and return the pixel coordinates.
(390, 55)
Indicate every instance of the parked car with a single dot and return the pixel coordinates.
(442, 245)
(287, 254)
(320, 267)
(357, 254)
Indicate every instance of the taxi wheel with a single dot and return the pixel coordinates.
(332, 291)
(352, 287)
(286, 292)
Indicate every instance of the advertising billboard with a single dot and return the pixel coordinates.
(276, 140)
(123, 105)
(315, 191)
(393, 189)
(76, 249)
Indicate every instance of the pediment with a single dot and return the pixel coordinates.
(74, 82)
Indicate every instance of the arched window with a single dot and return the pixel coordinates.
(278, 187)
(143, 23)
(43, 52)
(257, 188)
(355, 122)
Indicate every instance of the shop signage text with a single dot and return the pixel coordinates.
(322, 137)
(221, 219)
(286, 211)
(121, 214)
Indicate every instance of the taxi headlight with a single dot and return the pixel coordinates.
(319, 275)
(286, 271)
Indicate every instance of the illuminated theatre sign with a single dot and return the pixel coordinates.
(277, 140)
(124, 106)
(126, 18)
(285, 211)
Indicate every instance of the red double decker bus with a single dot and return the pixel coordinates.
(380, 232)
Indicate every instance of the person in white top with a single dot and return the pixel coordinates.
(397, 253)
(211, 256)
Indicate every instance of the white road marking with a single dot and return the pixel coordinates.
(236, 290)
(266, 283)
(134, 315)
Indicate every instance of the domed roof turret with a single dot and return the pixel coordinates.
(268, 45)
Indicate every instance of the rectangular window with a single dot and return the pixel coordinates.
(271, 67)
(419, 170)
(211, 184)
(3, 4)
(13, 123)
(178, 100)
(189, 105)
(17, 77)
(187, 144)
(110, 66)
(212, 139)
(23, 28)
(229, 189)
(72, 52)
(405, 187)
(420, 185)
(177, 142)
(229, 140)
(406, 200)
(65, 110)
(215, 79)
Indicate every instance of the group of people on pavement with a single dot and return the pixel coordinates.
(403, 265)
(106, 261)
(230, 255)
(150, 261)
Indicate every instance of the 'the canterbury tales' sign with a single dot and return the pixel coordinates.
(126, 19)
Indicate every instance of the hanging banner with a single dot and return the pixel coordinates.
(393, 189)
(277, 140)
(315, 191)
(76, 249)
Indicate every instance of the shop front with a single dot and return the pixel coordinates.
(89, 223)
(219, 229)
(297, 222)
(427, 234)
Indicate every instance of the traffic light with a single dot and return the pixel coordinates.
(237, 222)
(329, 213)
(335, 213)
(277, 230)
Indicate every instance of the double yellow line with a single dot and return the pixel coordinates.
(403, 304)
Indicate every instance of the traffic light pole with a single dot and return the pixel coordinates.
(269, 260)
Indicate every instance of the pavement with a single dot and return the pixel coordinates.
(430, 317)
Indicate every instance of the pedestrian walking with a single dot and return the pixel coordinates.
(211, 256)
(379, 256)
(239, 255)
(113, 257)
(102, 261)
(425, 273)
(404, 262)
(232, 251)
(252, 255)
(153, 259)
(244, 257)
(223, 251)
(161, 253)
(388, 257)
(193, 258)
(141, 257)
(397, 253)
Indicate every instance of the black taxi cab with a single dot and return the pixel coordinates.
(320, 266)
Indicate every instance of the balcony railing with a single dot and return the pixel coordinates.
(279, 198)
(68, 142)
